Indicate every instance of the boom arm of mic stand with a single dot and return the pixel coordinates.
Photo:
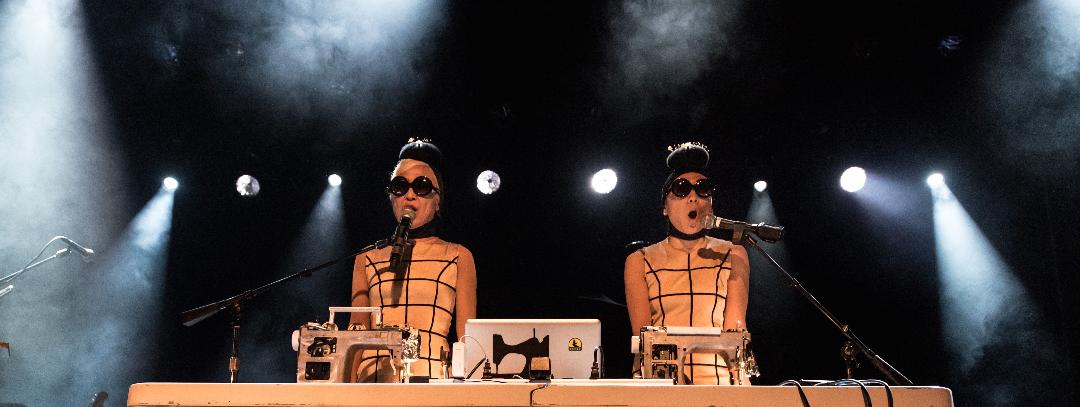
(196, 315)
(884, 367)
(235, 304)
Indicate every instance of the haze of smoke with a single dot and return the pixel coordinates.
(660, 49)
(342, 62)
(59, 175)
(1033, 87)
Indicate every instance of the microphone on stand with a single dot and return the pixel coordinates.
(766, 232)
(400, 238)
(83, 251)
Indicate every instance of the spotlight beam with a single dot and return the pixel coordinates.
(981, 297)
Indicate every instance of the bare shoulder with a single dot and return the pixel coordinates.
(737, 251)
(462, 253)
(655, 250)
(635, 264)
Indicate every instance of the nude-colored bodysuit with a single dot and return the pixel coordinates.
(423, 296)
(690, 289)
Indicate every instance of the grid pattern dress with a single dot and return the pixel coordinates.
(689, 288)
(421, 296)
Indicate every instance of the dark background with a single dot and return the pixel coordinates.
(794, 94)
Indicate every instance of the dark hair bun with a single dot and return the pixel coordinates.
(422, 150)
(688, 156)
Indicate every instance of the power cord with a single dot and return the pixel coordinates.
(487, 362)
(802, 393)
(867, 401)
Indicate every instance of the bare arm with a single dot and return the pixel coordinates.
(738, 294)
(359, 299)
(637, 292)
(738, 290)
(360, 293)
(466, 291)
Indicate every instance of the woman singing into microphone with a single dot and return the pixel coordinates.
(435, 281)
(689, 279)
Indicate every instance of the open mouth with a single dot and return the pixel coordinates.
(693, 214)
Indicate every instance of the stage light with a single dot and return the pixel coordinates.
(853, 179)
(935, 180)
(170, 184)
(760, 186)
(604, 181)
(334, 180)
(488, 182)
(247, 185)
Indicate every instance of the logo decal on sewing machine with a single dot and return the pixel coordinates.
(529, 349)
(574, 345)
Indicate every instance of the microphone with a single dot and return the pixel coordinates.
(768, 233)
(401, 233)
(83, 251)
(400, 237)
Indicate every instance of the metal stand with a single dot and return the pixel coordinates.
(234, 357)
(848, 353)
(4, 290)
(855, 343)
(235, 304)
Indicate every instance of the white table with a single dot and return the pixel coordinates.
(557, 393)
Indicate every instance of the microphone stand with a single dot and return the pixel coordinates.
(235, 305)
(10, 277)
(853, 341)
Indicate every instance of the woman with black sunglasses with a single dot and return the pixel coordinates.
(435, 283)
(689, 279)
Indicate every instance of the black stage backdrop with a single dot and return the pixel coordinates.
(545, 94)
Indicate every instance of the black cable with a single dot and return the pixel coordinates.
(478, 363)
(534, 391)
(802, 393)
(865, 392)
(888, 388)
(485, 359)
(867, 401)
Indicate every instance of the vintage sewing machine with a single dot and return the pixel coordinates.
(325, 354)
(662, 350)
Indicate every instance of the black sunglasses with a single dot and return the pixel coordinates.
(681, 188)
(421, 185)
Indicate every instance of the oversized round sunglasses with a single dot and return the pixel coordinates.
(681, 187)
(421, 185)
